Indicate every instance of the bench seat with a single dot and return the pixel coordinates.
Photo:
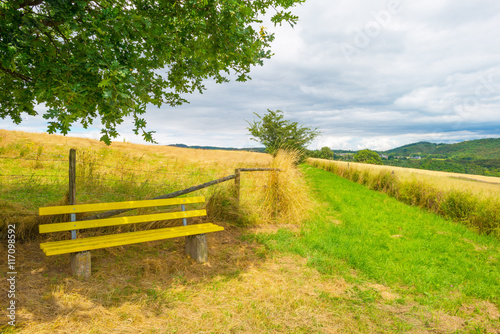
(91, 243)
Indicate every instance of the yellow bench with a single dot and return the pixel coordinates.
(80, 262)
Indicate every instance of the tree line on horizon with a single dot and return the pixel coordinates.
(479, 157)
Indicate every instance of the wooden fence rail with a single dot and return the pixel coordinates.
(235, 176)
(170, 195)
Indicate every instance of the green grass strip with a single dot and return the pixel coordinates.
(392, 243)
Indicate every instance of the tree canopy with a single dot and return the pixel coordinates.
(274, 132)
(368, 156)
(86, 60)
(325, 153)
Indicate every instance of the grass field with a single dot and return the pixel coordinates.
(418, 271)
(358, 262)
(470, 199)
(34, 173)
(364, 263)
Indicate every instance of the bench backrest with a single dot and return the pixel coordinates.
(85, 224)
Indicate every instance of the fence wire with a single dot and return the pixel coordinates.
(144, 177)
(106, 175)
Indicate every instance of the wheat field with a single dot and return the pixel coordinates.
(34, 173)
(478, 184)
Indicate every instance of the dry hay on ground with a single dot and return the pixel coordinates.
(154, 287)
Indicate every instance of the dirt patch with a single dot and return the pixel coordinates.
(445, 323)
(384, 291)
(471, 317)
(477, 248)
(273, 228)
(482, 312)
(334, 220)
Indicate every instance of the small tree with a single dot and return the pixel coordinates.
(325, 153)
(368, 156)
(274, 132)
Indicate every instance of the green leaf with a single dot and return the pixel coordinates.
(104, 83)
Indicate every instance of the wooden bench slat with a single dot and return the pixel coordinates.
(77, 245)
(61, 247)
(83, 241)
(84, 224)
(57, 210)
(104, 240)
(124, 235)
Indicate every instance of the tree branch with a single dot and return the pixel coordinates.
(29, 3)
(17, 75)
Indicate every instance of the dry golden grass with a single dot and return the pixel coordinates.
(226, 161)
(154, 288)
(477, 184)
(131, 286)
(125, 171)
(285, 193)
(157, 289)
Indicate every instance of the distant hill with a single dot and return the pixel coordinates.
(251, 149)
(420, 148)
(477, 149)
(480, 157)
(481, 148)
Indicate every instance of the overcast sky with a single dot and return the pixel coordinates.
(369, 73)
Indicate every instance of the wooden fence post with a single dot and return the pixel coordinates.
(79, 262)
(237, 173)
(277, 194)
(72, 185)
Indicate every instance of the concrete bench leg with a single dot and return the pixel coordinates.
(196, 247)
(80, 264)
